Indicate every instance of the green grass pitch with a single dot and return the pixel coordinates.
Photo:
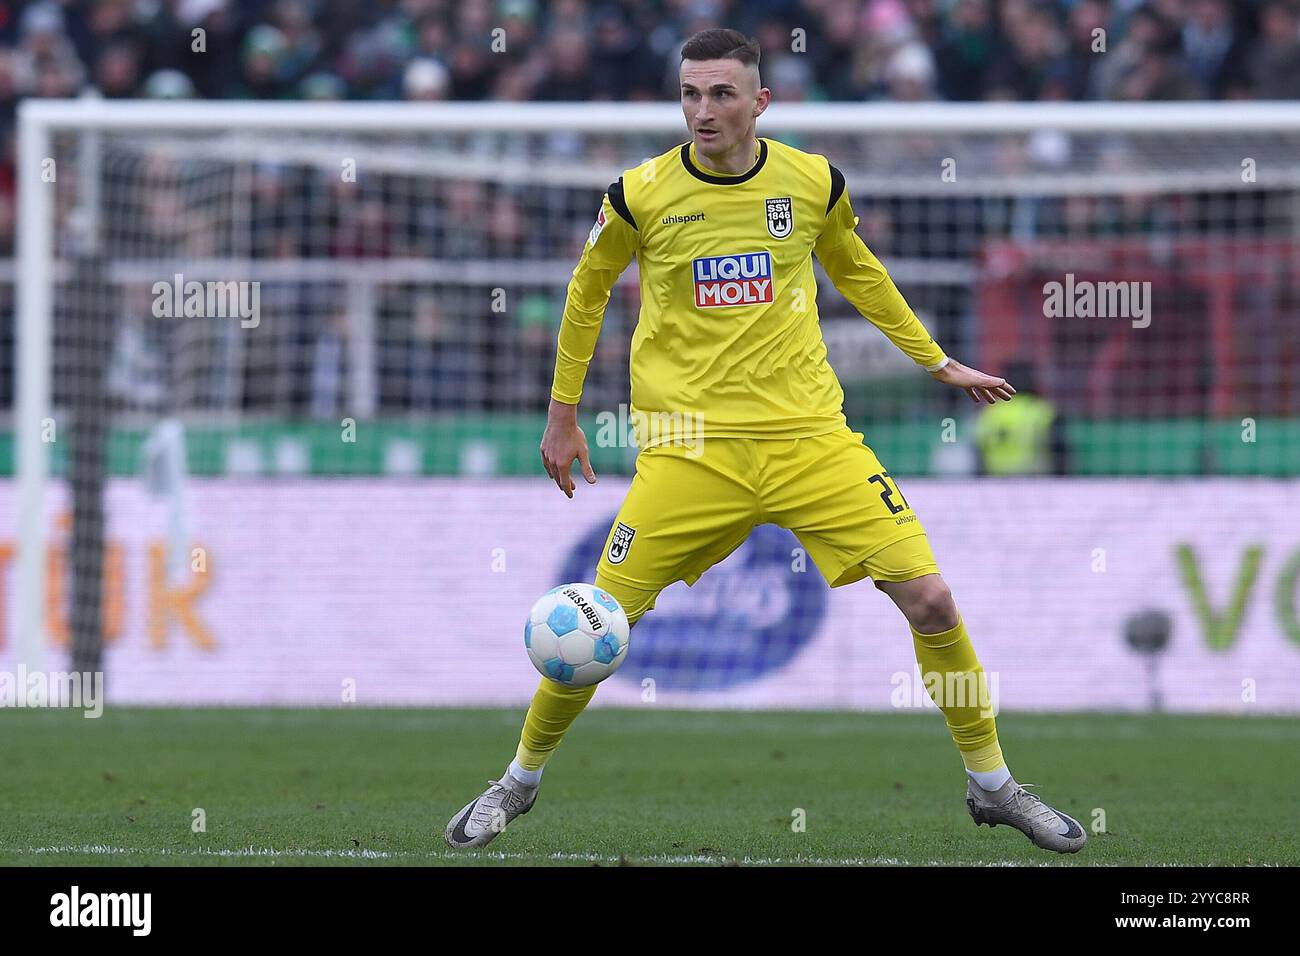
(376, 787)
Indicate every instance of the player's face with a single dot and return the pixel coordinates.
(720, 100)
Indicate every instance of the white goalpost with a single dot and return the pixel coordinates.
(406, 264)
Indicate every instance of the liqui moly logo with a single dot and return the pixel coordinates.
(744, 279)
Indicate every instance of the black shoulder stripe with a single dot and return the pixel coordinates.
(837, 188)
(619, 202)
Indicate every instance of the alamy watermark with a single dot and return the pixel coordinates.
(945, 689)
(1101, 300)
(130, 910)
(651, 428)
(208, 300)
(73, 689)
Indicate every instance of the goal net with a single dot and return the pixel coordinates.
(226, 310)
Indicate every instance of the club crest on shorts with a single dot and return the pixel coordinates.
(619, 544)
(780, 217)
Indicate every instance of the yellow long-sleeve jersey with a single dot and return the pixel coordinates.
(728, 334)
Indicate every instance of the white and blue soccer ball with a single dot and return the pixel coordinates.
(576, 634)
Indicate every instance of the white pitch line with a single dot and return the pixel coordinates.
(100, 849)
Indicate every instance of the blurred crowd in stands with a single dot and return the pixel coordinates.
(566, 50)
(851, 50)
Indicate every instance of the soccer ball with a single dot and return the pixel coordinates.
(576, 634)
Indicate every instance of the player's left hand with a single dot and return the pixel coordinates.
(980, 386)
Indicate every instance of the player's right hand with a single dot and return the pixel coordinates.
(561, 443)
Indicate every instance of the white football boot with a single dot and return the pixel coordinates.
(1015, 806)
(479, 822)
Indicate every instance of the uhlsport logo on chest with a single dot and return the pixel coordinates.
(741, 279)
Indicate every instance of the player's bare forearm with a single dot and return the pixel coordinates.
(562, 442)
(980, 386)
(561, 413)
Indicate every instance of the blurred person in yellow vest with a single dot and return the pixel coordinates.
(1025, 436)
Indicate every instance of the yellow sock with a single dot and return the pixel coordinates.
(955, 680)
(554, 708)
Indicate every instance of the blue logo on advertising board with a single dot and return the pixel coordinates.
(742, 620)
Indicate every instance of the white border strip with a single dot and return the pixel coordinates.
(657, 117)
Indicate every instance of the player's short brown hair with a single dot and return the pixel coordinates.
(721, 44)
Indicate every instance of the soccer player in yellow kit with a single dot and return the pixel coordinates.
(739, 415)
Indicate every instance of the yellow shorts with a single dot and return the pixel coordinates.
(690, 507)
